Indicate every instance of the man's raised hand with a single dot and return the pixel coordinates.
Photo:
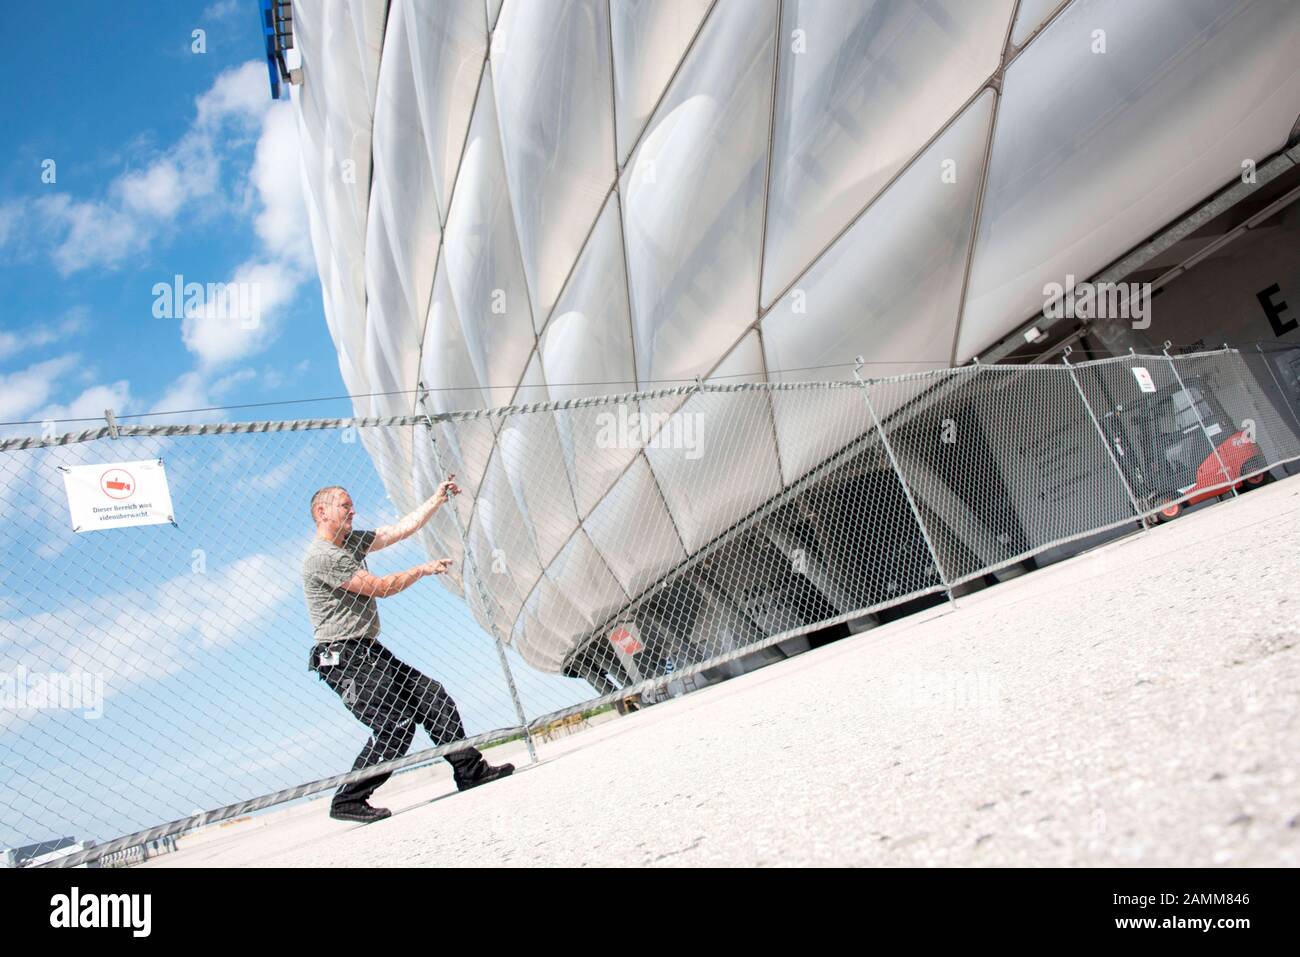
(446, 490)
(437, 567)
(387, 535)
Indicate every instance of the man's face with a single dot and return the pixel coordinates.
(340, 512)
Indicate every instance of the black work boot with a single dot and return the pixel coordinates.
(482, 775)
(360, 812)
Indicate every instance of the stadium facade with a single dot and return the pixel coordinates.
(545, 199)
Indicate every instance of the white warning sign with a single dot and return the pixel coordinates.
(1145, 382)
(117, 494)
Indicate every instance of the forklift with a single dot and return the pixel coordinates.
(1169, 460)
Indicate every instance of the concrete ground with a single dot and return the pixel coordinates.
(1136, 705)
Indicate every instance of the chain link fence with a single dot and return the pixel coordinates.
(605, 550)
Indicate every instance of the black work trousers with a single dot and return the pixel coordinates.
(390, 698)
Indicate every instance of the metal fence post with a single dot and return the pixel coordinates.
(471, 573)
(1137, 511)
(1199, 421)
(893, 461)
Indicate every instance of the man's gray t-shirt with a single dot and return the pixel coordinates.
(337, 613)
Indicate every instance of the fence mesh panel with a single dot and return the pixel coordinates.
(155, 672)
(604, 550)
(1228, 381)
(1003, 461)
(1188, 427)
(1277, 372)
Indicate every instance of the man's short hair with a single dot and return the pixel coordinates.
(321, 495)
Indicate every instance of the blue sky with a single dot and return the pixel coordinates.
(167, 162)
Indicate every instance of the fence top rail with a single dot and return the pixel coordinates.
(624, 397)
(205, 428)
(301, 425)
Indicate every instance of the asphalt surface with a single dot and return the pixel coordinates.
(1136, 705)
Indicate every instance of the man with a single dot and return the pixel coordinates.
(386, 695)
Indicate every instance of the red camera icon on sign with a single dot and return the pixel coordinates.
(117, 483)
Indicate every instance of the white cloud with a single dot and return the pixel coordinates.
(226, 383)
(220, 9)
(30, 388)
(277, 282)
(240, 93)
(138, 635)
(282, 223)
(90, 404)
(190, 173)
(143, 203)
(275, 477)
(156, 191)
(94, 233)
(218, 339)
(274, 377)
(278, 273)
(76, 320)
(285, 262)
(33, 337)
(194, 390)
(190, 391)
(217, 336)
